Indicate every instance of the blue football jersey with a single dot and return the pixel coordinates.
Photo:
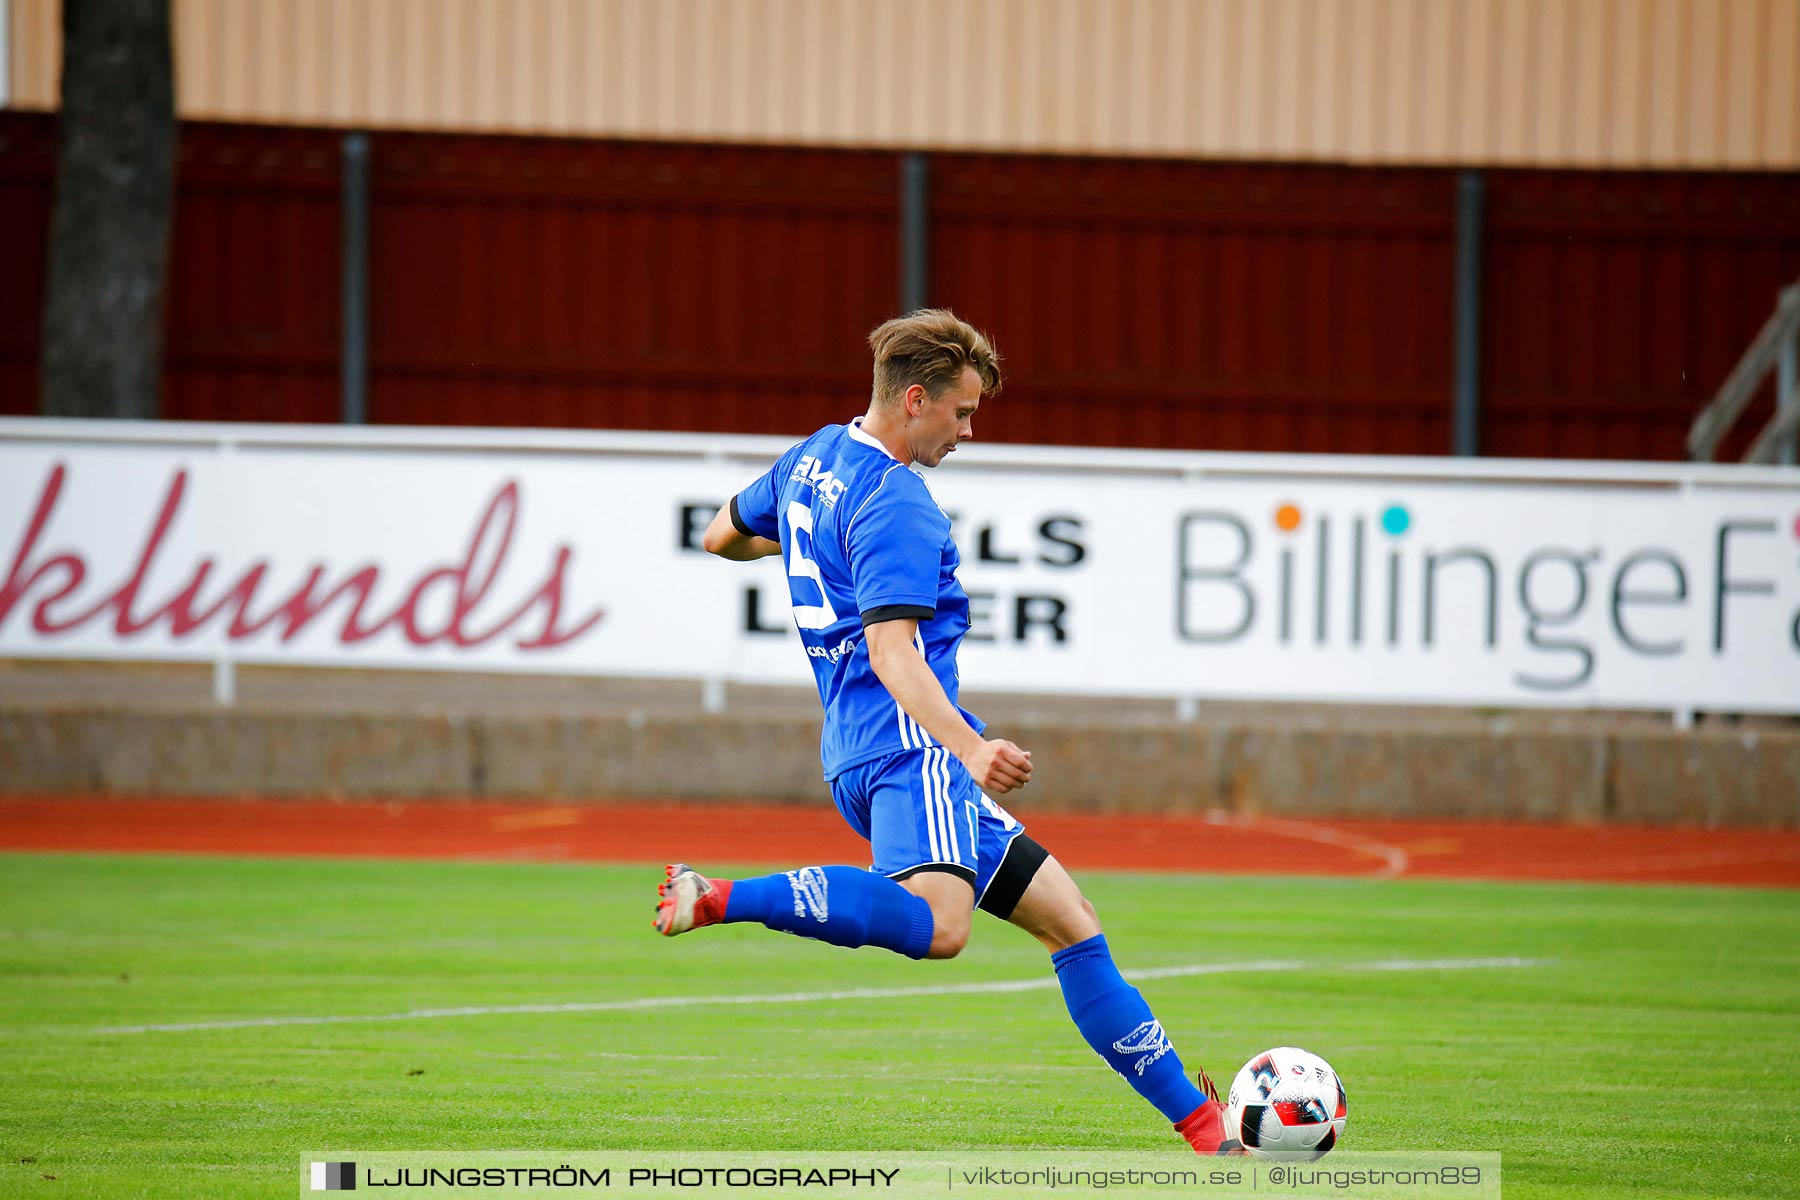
(864, 542)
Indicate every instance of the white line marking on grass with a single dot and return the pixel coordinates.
(949, 989)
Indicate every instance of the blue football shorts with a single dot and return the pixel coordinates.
(920, 810)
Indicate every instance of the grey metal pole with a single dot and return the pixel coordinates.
(1470, 202)
(915, 184)
(355, 301)
(1787, 393)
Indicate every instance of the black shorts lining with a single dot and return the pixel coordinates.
(962, 873)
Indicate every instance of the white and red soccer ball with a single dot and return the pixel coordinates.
(1286, 1103)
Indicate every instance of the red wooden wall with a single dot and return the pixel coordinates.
(1615, 305)
(27, 151)
(535, 281)
(540, 281)
(252, 330)
(1220, 306)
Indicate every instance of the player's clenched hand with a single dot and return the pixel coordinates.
(999, 766)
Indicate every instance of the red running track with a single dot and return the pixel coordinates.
(745, 833)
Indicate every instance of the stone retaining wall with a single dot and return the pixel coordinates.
(482, 741)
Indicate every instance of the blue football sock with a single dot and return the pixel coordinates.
(1116, 1022)
(845, 906)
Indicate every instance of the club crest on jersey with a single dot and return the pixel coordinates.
(808, 885)
(1147, 1039)
(810, 471)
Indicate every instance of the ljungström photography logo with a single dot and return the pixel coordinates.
(334, 1177)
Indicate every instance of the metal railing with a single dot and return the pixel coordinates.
(1777, 348)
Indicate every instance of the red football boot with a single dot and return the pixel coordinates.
(1204, 1128)
(686, 900)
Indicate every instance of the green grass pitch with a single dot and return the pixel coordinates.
(1655, 1056)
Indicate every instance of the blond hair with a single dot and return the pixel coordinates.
(930, 347)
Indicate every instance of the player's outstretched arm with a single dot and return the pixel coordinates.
(998, 765)
(728, 541)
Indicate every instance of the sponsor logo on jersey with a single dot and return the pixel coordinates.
(833, 653)
(813, 473)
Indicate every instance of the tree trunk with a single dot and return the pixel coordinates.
(109, 228)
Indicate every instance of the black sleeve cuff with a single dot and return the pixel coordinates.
(738, 520)
(897, 612)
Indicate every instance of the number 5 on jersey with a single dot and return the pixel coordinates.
(801, 566)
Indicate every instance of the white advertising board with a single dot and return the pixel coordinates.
(1280, 577)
